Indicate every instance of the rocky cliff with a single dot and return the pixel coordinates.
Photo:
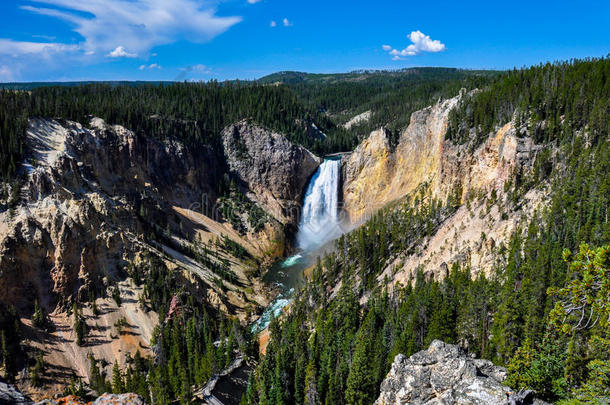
(375, 175)
(473, 178)
(274, 171)
(89, 194)
(445, 374)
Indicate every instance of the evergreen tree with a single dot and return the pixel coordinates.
(37, 371)
(360, 388)
(118, 385)
(97, 380)
(8, 358)
(584, 305)
(311, 391)
(38, 318)
(80, 325)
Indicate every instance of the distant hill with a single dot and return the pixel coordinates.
(386, 97)
(292, 77)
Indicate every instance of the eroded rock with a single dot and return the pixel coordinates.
(445, 374)
(105, 399)
(473, 177)
(9, 395)
(272, 168)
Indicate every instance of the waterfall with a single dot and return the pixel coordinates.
(319, 224)
(320, 216)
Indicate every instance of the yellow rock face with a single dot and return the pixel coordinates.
(375, 176)
(368, 172)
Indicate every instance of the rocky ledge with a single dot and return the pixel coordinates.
(445, 374)
(10, 395)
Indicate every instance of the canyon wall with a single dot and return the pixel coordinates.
(95, 198)
(274, 171)
(471, 177)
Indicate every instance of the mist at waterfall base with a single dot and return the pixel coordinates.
(318, 225)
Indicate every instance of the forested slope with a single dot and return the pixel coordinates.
(390, 96)
(344, 329)
(194, 113)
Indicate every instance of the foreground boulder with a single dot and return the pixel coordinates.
(123, 399)
(445, 374)
(9, 394)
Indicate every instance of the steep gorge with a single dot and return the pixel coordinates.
(93, 196)
(96, 200)
(99, 201)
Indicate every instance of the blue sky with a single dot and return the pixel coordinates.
(58, 40)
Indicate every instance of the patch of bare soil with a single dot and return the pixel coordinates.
(105, 340)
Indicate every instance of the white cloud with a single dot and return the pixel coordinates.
(195, 70)
(102, 27)
(19, 57)
(420, 43)
(253, 1)
(17, 48)
(137, 25)
(5, 74)
(285, 22)
(120, 52)
(151, 66)
(45, 37)
(201, 68)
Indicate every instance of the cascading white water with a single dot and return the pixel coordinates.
(319, 224)
(320, 217)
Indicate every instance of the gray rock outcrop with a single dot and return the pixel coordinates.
(119, 399)
(104, 399)
(445, 374)
(9, 394)
(274, 170)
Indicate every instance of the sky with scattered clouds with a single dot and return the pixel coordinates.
(61, 40)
